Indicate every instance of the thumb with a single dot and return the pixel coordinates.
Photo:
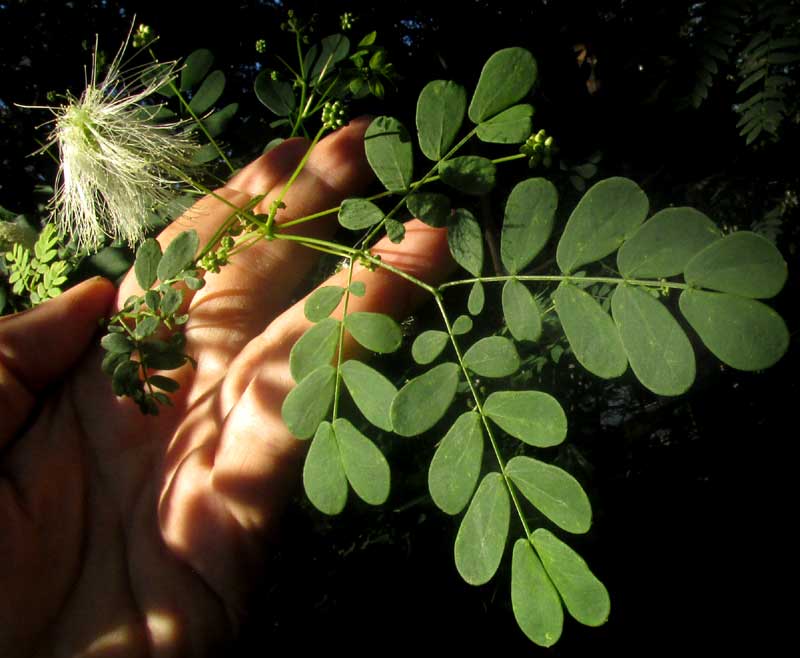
(40, 345)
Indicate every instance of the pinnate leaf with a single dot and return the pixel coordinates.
(422, 402)
(483, 531)
(456, 464)
(534, 600)
(531, 416)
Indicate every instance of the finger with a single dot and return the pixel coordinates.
(39, 346)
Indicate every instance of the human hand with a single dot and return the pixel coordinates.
(132, 535)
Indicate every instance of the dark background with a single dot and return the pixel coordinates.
(693, 496)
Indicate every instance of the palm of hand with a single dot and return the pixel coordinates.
(137, 536)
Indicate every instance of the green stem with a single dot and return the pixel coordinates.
(338, 384)
(556, 278)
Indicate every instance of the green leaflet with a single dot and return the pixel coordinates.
(606, 216)
(554, 492)
(506, 78)
(315, 348)
(742, 263)
(332, 50)
(428, 345)
(308, 403)
(195, 68)
(178, 255)
(322, 302)
(275, 95)
(494, 356)
(512, 126)
(534, 600)
(431, 207)
(463, 324)
(591, 332)
(422, 402)
(744, 333)
(357, 214)
(658, 350)
(371, 391)
(522, 314)
(358, 288)
(665, 243)
(217, 122)
(208, 93)
(585, 597)
(465, 240)
(364, 464)
(389, 153)
(440, 111)
(469, 174)
(531, 416)
(324, 479)
(456, 464)
(148, 256)
(375, 331)
(476, 299)
(483, 531)
(527, 222)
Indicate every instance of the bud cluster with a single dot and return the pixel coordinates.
(333, 115)
(540, 148)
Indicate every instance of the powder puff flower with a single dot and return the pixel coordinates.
(116, 163)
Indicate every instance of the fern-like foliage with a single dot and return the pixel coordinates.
(765, 68)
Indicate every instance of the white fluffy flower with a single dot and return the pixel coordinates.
(116, 163)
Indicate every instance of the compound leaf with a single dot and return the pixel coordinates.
(314, 348)
(554, 492)
(421, 403)
(466, 241)
(275, 95)
(178, 255)
(364, 464)
(371, 391)
(456, 464)
(195, 68)
(533, 417)
(534, 600)
(744, 333)
(357, 214)
(308, 403)
(742, 263)
(375, 331)
(440, 111)
(512, 126)
(209, 93)
(506, 78)
(665, 243)
(591, 332)
(148, 256)
(658, 350)
(527, 222)
(322, 302)
(606, 216)
(585, 597)
(494, 356)
(483, 531)
(217, 122)
(469, 174)
(431, 207)
(428, 345)
(389, 153)
(324, 479)
(522, 314)
(332, 50)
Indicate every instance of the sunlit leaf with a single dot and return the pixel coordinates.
(322, 302)
(195, 68)
(531, 416)
(476, 299)
(554, 492)
(456, 464)
(428, 345)
(665, 243)
(364, 464)
(522, 314)
(527, 222)
(431, 207)
(148, 256)
(324, 479)
(506, 78)
(422, 402)
(276, 95)
(440, 111)
(658, 350)
(308, 403)
(371, 391)
(375, 331)
(358, 288)
(534, 600)
(178, 255)
(585, 597)
(744, 333)
(512, 126)
(494, 356)
(390, 153)
(357, 214)
(466, 241)
(606, 216)
(470, 174)
(591, 332)
(483, 531)
(314, 348)
(209, 93)
(742, 263)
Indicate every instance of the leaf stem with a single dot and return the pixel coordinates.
(651, 283)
